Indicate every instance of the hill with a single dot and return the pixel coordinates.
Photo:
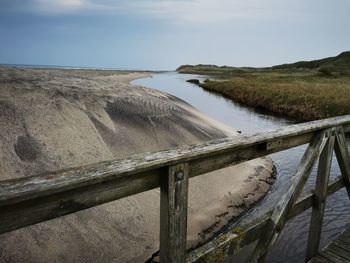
(213, 70)
(332, 65)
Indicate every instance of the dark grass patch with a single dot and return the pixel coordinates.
(193, 81)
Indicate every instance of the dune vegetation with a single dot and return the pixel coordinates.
(305, 90)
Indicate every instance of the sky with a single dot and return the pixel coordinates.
(163, 34)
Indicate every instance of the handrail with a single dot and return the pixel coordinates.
(14, 190)
(34, 199)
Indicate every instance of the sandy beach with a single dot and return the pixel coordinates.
(57, 118)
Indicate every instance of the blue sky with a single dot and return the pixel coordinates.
(163, 34)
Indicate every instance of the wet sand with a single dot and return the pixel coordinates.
(56, 118)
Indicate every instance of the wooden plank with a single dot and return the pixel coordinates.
(345, 235)
(48, 196)
(173, 214)
(279, 216)
(241, 154)
(245, 148)
(344, 242)
(319, 202)
(43, 197)
(38, 198)
(339, 249)
(343, 158)
(342, 245)
(12, 191)
(232, 241)
(319, 259)
(333, 256)
(37, 210)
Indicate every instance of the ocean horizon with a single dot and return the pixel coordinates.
(73, 67)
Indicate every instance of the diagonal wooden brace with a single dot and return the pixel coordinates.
(280, 213)
(342, 154)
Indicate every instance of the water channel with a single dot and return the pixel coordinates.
(292, 243)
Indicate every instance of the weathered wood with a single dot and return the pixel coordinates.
(343, 158)
(242, 154)
(241, 235)
(319, 202)
(340, 250)
(337, 250)
(345, 236)
(173, 214)
(279, 216)
(201, 157)
(63, 192)
(345, 240)
(66, 191)
(320, 259)
(14, 216)
(345, 245)
(332, 257)
(12, 191)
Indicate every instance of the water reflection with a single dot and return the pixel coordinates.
(292, 244)
(215, 106)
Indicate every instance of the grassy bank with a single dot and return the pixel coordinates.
(303, 98)
(303, 90)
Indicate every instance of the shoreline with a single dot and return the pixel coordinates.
(83, 116)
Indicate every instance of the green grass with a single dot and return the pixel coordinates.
(301, 97)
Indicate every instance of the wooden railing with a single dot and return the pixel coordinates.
(34, 199)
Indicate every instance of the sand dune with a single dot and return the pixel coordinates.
(54, 118)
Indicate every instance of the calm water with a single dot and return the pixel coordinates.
(292, 243)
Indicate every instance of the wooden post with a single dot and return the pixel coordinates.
(173, 214)
(319, 202)
(342, 153)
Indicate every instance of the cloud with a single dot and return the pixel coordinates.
(64, 5)
(190, 11)
(54, 7)
(177, 10)
(180, 11)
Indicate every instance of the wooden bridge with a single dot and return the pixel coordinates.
(35, 199)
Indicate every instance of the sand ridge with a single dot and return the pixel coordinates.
(57, 118)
